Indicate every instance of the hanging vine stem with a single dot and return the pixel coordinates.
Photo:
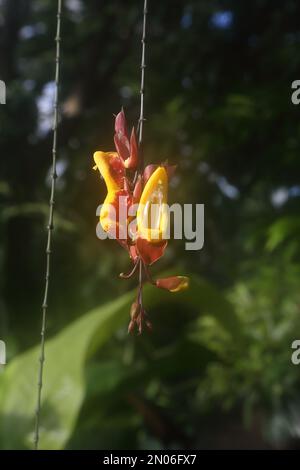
(143, 315)
(142, 88)
(50, 227)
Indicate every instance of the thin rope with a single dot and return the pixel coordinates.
(50, 227)
(142, 88)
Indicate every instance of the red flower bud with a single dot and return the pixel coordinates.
(173, 283)
(137, 192)
(134, 311)
(131, 327)
(127, 149)
(120, 123)
(132, 161)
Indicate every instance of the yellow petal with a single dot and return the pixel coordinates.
(152, 213)
(112, 171)
(110, 168)
(107, 214)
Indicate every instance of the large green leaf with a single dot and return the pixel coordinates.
(63, 389)
(66, 355)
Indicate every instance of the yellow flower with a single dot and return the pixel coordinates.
(112, 170)
(152, 213)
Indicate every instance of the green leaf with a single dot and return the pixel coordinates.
(63, 389)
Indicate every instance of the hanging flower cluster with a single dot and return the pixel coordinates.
(135, 213)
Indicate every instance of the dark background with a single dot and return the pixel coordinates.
(218, 104)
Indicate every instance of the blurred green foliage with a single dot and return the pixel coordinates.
(217, 371)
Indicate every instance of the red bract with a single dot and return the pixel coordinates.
(126, 148)
(143, 237)
(150, 252)
(150, 169)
